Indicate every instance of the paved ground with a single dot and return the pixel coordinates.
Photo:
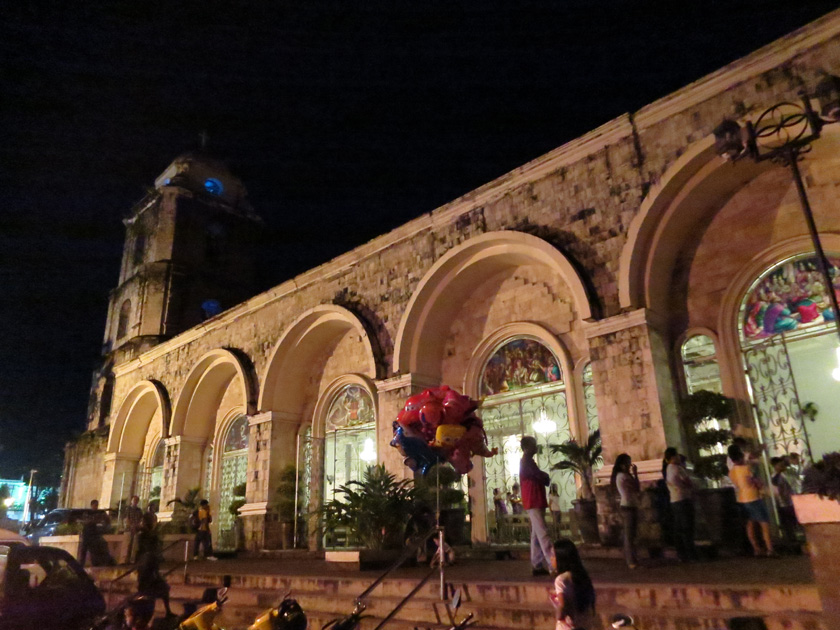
(786, 570)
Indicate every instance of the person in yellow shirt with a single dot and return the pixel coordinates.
(748, 491)
(203, 519)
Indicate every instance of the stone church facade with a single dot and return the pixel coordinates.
(615, 273)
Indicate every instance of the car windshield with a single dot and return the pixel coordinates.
(51, 519)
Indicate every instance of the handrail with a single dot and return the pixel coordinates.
(405, 555)
(405, 599)
(133, 568)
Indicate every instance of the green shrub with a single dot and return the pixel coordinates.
(706, 417)
(374, 510)
(69, 529)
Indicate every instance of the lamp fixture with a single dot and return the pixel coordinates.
(543, 425)
(782, 134)
(368, 453)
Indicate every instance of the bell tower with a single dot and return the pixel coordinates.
(188, 256)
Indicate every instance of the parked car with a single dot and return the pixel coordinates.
(44, 587)
(63, 516)
(8, 537)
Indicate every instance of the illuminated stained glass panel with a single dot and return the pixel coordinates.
(347, 454)
(237, 435)
(789, 296)
(519, 364)
(234, 471)
(352, 406)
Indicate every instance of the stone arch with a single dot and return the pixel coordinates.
(419, 344)
(698, 183)
(283, 386)
(195, 411)
(145, 402)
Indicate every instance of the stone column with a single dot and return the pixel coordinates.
(393, 393)
(182, 468)
(271, 447)
(634, 388)
(636, 398)
(117, 479)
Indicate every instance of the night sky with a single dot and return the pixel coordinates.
(343, 119)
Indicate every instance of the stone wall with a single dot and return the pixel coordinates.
(83, 468)
(587, 200)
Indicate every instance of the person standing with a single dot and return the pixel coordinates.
(574, 596)
(748, 491)
(150, 583)
(95, 523)
(499, 505)
(131, 523)
(793, 472)
(681, 491)
(151, 512)
(534, 502)
(203, 538)
(625, 479)
(783, 494)
(515, 500)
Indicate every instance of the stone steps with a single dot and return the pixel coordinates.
(508, 605)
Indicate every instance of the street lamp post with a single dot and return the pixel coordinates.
(25, 517)
(782, 134)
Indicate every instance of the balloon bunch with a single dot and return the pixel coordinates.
(440, 425)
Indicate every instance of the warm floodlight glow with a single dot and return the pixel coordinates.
(513, 453)
(8, 502)
(543, 425)
(368, 453)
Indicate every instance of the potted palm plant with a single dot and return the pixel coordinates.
(285, 507)
(581, 459)
(374, 513)
(707, 418)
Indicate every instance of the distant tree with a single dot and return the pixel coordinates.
(47, 499)
(5, 493)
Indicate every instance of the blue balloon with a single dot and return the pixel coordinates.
(419, 456)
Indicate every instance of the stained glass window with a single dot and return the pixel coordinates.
(350, 442)
(153, 475)
(789, 296)
(524, 395)
(234, 471)
(237, 435)
(352, 406)
(519, 364)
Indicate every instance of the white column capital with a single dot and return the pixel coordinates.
(402, 381)
(273, 416)
(183, 439)
(120, 457)
(623, 321)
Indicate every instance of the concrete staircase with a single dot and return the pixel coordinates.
(497, 605)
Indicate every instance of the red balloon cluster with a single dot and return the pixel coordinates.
(440, 425)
